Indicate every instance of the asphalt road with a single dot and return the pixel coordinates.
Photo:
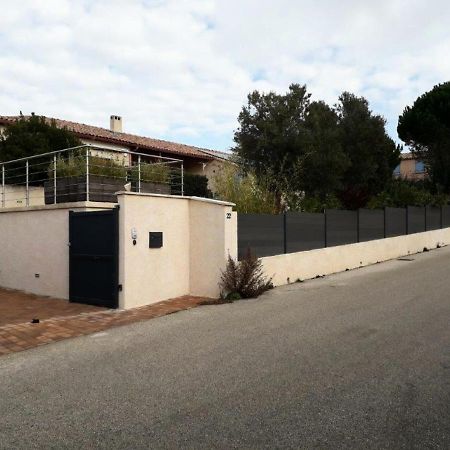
(355, 360)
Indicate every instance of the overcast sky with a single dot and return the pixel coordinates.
(181, 69)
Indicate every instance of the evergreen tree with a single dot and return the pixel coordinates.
(425, 127)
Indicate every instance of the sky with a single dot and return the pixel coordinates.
(181, 69)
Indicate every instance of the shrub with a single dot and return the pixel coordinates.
(151, 173)
(313, 204)
(244, 279)
(75, 166)
(402, 193)
(196, 185)
(248, 193)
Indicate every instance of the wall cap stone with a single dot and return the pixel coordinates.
(182, 197)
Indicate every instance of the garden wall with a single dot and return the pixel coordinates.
(198, 234)
(288, 268)
(34, 252)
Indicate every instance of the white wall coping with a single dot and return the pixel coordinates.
(68, 205)
(182, 197)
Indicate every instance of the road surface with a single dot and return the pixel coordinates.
(355, 360)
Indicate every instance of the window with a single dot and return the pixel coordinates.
(397, 170)
(420, 167)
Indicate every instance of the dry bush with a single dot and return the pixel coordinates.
(244, 279)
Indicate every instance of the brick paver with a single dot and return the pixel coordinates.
(22, 336)
(20, 307)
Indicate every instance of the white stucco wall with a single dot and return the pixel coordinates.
(35, 241)
(211, 240)
(15, 196)
(305, 265)
(150, 275)
(197, 236)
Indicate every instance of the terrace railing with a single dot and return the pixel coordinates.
(87, 173)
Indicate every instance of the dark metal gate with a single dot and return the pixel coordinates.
(93, 260)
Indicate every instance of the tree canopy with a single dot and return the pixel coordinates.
(310, 148)
(425, 127)
(271, 134)
(372, 154)
(34, 136)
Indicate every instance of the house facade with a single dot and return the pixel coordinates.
(410, 168)
(196, 160)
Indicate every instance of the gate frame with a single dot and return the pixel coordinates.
(115, 251)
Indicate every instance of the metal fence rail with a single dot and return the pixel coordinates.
(87, 173)
(268, 235)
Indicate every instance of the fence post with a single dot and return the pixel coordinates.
(3, 186)
(441, 222)
(325, 217)
(425, 218)
(357, 224)
(407, 220)
(182, 178)
(87, 174)
(54, 179)
(139, 173)
(285, 232)
(26, 183)
(384, 222)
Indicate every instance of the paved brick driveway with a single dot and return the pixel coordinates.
(19, 307)
(60, 319)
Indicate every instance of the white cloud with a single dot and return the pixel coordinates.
(180, 69)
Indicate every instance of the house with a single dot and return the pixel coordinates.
(196, 160)
(112, 218)
(410, 168)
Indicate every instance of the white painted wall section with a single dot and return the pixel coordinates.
(198, 234)
(290, 267)
(34, 241)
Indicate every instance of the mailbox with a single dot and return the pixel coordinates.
(155, 239)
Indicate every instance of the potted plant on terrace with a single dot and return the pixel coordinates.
(106, 177)
(155, 178)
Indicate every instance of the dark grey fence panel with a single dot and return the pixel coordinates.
(262, 233)
(304, 231)
(371, 224)
(395, 222)
(341, 227)
(433, 220)
(445, 216)
(416, 219)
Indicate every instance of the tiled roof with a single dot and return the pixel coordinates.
(137, 143)
(218, 154)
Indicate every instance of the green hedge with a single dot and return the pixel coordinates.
(196, 185)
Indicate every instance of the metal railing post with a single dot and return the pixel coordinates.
(139, 173)
(26, 181)
(182, 178)
(3, 185)
(87, 174)
(54, 179)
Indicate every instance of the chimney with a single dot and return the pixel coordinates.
(115, 124)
